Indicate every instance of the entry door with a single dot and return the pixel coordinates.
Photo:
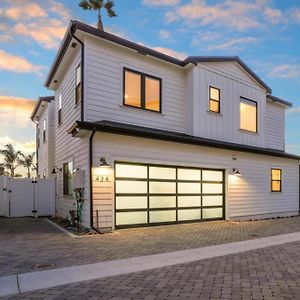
(149, 194)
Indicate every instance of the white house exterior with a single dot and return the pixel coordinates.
(199, 139)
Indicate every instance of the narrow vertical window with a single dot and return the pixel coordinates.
(78, 85)
(59, 109)
(38, 137)
(248, 115)
(67, 178)
(214, 99)
(44, 131)
(132, 94)
(152, 93)
(276, 180)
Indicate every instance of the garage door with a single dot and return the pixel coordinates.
(158, 194)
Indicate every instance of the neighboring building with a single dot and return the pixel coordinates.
(199, 139)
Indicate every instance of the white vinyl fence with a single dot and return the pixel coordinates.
(27, 197)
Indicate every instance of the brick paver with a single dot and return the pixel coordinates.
(26, 243)
(268, 273)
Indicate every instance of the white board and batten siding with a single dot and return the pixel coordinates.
(67, 148)
(104, 87)
(248, 195)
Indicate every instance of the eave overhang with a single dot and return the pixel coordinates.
(39, 106)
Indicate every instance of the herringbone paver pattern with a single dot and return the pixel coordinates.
(269, 273)
(28, 242)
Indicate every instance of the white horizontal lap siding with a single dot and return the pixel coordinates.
(67, 148)
(104, 87)
(226, 126)
(247, 195)
(275, 126)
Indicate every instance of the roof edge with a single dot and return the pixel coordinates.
(39, 102)
(279, 100)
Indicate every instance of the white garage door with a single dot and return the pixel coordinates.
(159, 194)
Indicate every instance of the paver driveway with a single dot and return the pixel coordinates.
(28, 242)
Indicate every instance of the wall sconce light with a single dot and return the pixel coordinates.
(236, 172)
(103, 167)
(56, 170)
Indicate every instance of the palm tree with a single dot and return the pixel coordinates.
(97, 5)
(11, 157)
(27, 162)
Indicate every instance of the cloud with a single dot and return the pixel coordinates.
(16, 111)
(293, 110)
(26, 11)
(233, 44)
(273, 15)
(18, 64)
(285, 71)
(170, 52)
(164, 34)
(161, 2)
(26, 147)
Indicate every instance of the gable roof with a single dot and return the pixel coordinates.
(39, 103)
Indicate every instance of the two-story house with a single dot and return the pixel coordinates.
(162, 140)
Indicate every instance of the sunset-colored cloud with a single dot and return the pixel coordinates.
(170, 52)
(27, 147)
(18, 64)
(25, 11)
(161, 2)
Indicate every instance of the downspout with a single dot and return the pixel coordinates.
(36, 148)
(91, 180)
(82, 71)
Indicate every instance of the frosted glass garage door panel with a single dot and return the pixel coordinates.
(162, 173)
(208, 175)
(189, 188)
(131, 187)
(212, 200)
(131, 202)
(131, 218)
(189, 214)
(131, 171)
(212, 188)
(162, 201)
(212, 213)
(162, 187)
(189, 174)
(162, 216)
(188, 201)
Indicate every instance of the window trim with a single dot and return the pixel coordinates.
(280, 180)
(76, 85)
(66, 183)
(59, 119)
(44, 130)
(210, 99)
(257, 123)
(143, 90)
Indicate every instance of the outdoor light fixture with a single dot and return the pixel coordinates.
(103, 170)
(103, 163)
(236, 172)
(56, 170)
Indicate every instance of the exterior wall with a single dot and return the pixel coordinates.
(275, 126)
(248, 195)
(104, 87)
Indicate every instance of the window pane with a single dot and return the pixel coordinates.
(162, 216)
(189, 214)
(59, 102)
(248, 115)
(78, 75)
(152, 94)
(126, 218)
(162, 201)
(132, 94)
(276, 186)
(189, 174)
(212, 188)
(131, 202)
(211, 213)
(162, 173)
(162, 187)
(276, 174)
(214, 94)
(70, 178)
(78, 93)
(214, 106)
(131, 171)
(208, 175)
(189, 188)
(187, 201)
(212, 200)
(131, 187)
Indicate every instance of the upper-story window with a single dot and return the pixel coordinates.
(142, 90)
(59, 109)
(248, 115)
(38, 137)
(214, 99)
(44, 131)
(78, 85)
(276, 180)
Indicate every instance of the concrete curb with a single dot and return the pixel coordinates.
(50, 278)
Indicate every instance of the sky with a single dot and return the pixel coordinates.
(263, 33)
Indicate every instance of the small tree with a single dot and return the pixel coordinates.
(11, 157)
(27, 162)
(97, 5)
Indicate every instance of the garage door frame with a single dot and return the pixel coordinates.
(223, 194)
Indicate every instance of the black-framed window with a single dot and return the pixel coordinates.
(248, 115)
(276, 180)
(141, 90)
(67, 178)
(44, 130)
(59, 109)
(78, 84)
(214, 99)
